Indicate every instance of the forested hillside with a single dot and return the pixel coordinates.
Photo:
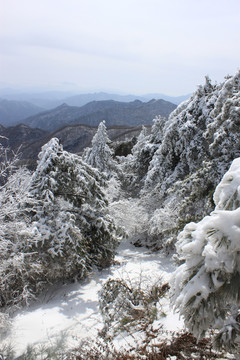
(170, 194)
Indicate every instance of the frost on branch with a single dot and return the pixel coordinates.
(206, 286)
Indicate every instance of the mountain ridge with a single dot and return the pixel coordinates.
(113, 112)
(51, 99)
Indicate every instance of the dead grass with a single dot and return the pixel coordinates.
(184, 346)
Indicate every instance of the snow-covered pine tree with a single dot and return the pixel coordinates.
(199, 140)
(54, 224)
(100, 155)
(157, 134)
(75, 231)
(183, 146)
(135, 167)
(205, 287)
(141, 155)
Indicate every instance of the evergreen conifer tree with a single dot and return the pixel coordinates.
(56, 225)
(74, 227)
(100, 155)
(206, 286)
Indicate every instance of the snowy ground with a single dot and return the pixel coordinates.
(72, 310)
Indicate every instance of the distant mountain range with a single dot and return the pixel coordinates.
(32, 126)
(12, 111)
(16, 107)
(82, 99)
(113, 112)
(52, 99)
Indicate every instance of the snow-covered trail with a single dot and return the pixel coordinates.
(72, 310)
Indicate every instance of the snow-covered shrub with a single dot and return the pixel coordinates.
(131, 216)
(162, 224)
(206, 286)
(127, 306)
(113, 189)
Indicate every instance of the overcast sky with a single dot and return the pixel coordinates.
(130, 46)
